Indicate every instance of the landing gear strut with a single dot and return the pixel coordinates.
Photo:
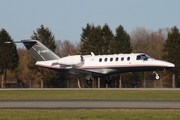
(89, 79)
(157, 76)
(109, 79)
(89, 82)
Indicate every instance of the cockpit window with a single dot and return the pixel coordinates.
(143, 57)
(138, 57)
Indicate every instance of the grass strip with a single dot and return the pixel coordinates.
(88, 94)
(115, 114)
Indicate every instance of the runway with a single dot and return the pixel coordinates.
(89, 104)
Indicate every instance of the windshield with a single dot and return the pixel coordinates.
(143, 57)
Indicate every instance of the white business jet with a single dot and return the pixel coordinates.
(92, 66)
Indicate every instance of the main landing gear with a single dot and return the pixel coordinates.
(88, 81)
(107, 78)
(156, 75)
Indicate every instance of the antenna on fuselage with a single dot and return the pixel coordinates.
(92, 54)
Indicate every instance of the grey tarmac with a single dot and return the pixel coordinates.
(89, 104)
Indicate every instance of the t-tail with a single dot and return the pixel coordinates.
(39, 51)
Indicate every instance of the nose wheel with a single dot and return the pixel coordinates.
(156, 75)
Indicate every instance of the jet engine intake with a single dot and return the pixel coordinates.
(71, 60)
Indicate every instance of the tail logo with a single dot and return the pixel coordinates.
(42, 51)
(36, 45)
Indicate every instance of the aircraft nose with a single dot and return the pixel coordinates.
(171, 65)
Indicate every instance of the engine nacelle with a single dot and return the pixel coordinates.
(71, 60)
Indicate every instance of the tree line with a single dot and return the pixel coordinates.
(17, 67)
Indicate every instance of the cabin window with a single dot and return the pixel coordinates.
(111, 59)
(105, 59)
(122, 59)
(117, 58)
(100, 60)
(128, 58)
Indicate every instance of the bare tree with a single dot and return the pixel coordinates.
(151, 43)
(148, 41)
(65, 48)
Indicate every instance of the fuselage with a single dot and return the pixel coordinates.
(90, 66)
(111, 64)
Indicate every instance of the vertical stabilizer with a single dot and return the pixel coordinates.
(39, 51)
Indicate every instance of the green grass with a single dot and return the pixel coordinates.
(114, 114)
(90, 94)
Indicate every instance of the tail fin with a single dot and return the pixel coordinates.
(39, 51)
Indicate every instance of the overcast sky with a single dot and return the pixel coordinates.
(65, 18)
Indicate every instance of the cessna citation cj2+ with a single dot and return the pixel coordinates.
(90, 66)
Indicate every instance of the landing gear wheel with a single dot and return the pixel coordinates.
(88, 82)
(157, 77)
(108, 81)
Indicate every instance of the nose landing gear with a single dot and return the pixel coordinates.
(156, 75)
